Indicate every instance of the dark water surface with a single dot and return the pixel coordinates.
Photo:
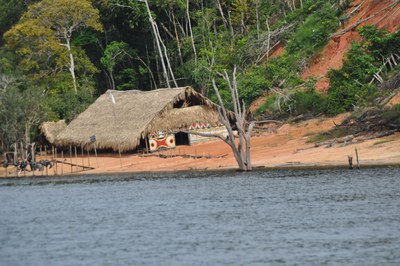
(302, 217)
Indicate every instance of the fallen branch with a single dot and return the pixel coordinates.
(166, 156)
(268, 122)
(72, 164)
(351, 27)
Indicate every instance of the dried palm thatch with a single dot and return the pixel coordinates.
(120, 126)
(51, 129)
(182, 118)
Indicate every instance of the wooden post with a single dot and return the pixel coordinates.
(146, 140)
(88, 158)
(119, 151)
(15, 152)
(22, 152)
(62, 162)
(70, 156)
(350, 159)
(76, 156)
(52, 158)
(95, 152)
(33, 151)
(83, 160)
(55, 161)
(358, 163)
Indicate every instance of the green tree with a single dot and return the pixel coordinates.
(114, 53)
(21, 110)
(10, 12)
(43, 36)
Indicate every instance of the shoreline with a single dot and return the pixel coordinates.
(286, 148)
(283, 167)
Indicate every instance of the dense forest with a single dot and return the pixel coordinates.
(58, 56)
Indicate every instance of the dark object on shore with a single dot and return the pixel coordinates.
(23, 165)
(33, 166)
(5, 165)
(358, 162)
(46, 163)
(350, 159)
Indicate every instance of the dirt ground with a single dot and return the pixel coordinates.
(286, 148)
(332, 54)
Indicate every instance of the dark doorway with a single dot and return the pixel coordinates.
(181, 138)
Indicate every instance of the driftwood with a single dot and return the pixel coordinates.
(388, 98)
(327, 144)
(350, 159)
(268, 122)
(73, 164)
(345, 139)
(358, 162)
(296, 119)
(166, 156)
(352, 139)
(345, 18)
(355, 25)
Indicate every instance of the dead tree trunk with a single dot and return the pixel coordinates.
(238, 141)
(191, 32)
(240, 148)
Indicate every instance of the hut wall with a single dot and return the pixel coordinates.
(161, 140)
(221, 131)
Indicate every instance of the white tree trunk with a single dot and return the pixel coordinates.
(219, 7)
(153, 26)
(112, 80)
(268, 38)
(71, 63)
(177, 38)
(166, 57)
(191, 32)
(258, 19)
(240, 149)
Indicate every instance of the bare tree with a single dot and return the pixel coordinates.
(239, 140)
(191, 32)
(162, 49)
(6, 81)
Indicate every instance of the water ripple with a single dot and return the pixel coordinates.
(307, 217)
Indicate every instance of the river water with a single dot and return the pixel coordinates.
(302, 217)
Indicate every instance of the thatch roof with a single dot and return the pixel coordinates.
(51, 129)
(135, 113)
(182, 118)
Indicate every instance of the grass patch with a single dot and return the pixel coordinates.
(309, 134)
(382, 142)
(332, 134)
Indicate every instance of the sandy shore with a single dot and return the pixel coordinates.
(288, 147)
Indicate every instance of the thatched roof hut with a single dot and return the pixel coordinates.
(50, 130)
(136, 113)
